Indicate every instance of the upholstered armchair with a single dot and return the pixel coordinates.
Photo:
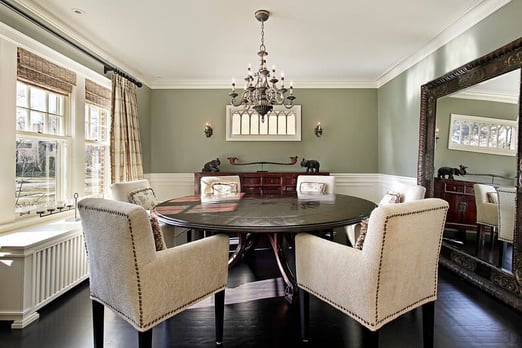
(395, 272)
(215, 189)
(143, 286)
(218, 188)
(486, 201)
(310, 186)
(506, 213)
(140, 192)
(399, 193)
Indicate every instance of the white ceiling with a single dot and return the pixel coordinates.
(206, 43)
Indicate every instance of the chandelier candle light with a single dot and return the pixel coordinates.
(261, 92)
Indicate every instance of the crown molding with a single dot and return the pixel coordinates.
(491, 96)
(200, 84)
(475, 15)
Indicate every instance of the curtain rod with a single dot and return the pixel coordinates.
(107, 67)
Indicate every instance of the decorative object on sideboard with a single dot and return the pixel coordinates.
(208, 130)
(211, 166)
(261, 91)
(311, 165)
(234, 161)
(318, 130)
(451, 172)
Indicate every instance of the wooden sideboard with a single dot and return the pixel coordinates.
(263, 183)
(462, 212)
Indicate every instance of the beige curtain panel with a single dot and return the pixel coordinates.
(126, 155)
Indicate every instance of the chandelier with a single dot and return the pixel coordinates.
(261, 91)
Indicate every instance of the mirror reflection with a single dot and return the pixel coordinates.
(475, 144)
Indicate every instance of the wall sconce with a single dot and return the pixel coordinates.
(208, 130)
(318, 130)
(437, 135)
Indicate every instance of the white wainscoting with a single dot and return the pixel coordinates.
(371, 186)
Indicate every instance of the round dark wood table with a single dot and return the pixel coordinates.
(276, 216)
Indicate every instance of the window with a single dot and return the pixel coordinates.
(41, 147)
(281, 124)
(97, 121)
(96, 149)
(483, 134)
(52, 162)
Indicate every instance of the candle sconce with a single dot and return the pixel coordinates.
(43, 210)
(318, 130)
(208, 130)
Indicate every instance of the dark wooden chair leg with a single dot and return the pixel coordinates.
(97, 323)
(428, 322)
(219, 307)
(369, 338)
(145, 339)
(304, 311)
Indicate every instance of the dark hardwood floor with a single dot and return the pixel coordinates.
(256, 315)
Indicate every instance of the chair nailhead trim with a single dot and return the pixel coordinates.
(140, 324)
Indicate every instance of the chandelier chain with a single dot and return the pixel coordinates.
(262, 47)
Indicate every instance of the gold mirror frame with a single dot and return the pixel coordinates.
(503, 285)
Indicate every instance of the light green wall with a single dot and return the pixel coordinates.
(399, 99)
(475, 161)
(348, 118)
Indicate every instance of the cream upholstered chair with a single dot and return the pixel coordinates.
(395, 272)
(486, 201)
(405, 192)
(141, 285)
(310, 185)
(317, 188)
(140, 192)
(214, 189)
(506, 213)
(217, 188)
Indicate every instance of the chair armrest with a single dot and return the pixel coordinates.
(314, 255)
(185, 274)
(488, 214)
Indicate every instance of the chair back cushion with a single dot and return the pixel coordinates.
(487, 212)
(119, 243)
(215, 185)
(120, 190)
(408, 192)
(506, 214)
(322, 184)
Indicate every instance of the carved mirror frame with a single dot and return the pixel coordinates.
(503, 285)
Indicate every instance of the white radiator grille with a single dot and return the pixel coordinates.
(57, 268)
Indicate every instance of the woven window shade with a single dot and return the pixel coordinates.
(97, 95)
(40, 72)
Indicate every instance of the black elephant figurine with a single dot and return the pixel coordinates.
(211, 166)
(311, 165)
(451, 172)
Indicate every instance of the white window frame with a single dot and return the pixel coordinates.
(278, 135)
(10, 39)
(102, 142)
(482, 122)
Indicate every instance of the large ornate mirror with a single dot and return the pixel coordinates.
(446, 105)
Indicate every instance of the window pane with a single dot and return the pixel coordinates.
(21, 94)
(37, 121)
(38, 97)
(21, 119)
(35, 172)
(95, 169)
